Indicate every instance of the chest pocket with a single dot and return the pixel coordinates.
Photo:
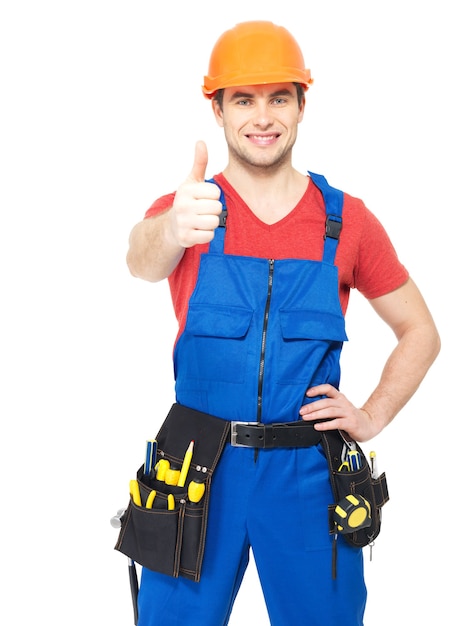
(217, 342)
(310, 344)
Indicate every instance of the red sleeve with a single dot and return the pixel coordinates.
(160, 205)
(378, 270)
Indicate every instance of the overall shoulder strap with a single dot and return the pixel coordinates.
(217, 244)
(334, 200)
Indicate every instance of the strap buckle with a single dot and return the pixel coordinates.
(234, 433)
(222, 218)
(334, 225)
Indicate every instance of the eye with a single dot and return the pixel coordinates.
(243, 102)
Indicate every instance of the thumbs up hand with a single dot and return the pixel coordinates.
(196, 208)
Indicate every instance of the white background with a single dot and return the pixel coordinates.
(100, 109)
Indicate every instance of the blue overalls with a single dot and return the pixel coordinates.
(259, 333)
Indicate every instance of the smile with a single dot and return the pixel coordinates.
(263, 139)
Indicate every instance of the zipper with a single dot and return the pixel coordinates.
(264, 340)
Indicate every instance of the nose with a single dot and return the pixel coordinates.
(262, 115)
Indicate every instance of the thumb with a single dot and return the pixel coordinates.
(200, 163)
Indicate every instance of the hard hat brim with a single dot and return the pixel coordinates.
(291, 75)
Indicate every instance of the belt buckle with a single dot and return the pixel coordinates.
(234, 433)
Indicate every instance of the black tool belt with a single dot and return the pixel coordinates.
(171, 540)
(299, 434)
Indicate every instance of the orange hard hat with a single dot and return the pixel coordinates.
(255, 53)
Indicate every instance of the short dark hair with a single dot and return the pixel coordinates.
(300, 95)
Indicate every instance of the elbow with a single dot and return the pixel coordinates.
(132, 264)
(433, 342)
(435, 339)
(139, 269)
(436, 345)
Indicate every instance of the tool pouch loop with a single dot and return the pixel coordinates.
(359, 482)
(172, 542)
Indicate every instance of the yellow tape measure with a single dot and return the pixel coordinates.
(352, 513)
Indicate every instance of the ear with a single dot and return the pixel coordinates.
(217, 112)
(301, 112)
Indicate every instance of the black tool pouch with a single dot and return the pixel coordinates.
(173, 541)
(359, 482)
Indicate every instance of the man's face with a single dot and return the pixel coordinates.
(260, 123)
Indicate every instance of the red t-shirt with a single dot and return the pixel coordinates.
(366, 258)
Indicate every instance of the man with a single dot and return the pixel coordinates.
(260, 288)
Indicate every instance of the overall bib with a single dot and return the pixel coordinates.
(259, 333)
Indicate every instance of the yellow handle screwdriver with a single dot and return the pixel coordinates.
(161, 468)
(373, 464)
(172, 476)
(195, 491)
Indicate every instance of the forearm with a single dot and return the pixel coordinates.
(153, 253)
(403, 373)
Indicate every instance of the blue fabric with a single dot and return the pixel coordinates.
(259, 333)
(277, 505)
(218, 357)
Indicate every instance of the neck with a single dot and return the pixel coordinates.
(270, 193)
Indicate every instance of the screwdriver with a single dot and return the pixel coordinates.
(354, 459)
(161, 468)
(373, 464)
(196, 489)
(172, 475)
(150, 457)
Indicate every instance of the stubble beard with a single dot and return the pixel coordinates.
(265, 162)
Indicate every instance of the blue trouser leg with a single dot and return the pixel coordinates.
(288, 531)
(166, 601)
(278, 505)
